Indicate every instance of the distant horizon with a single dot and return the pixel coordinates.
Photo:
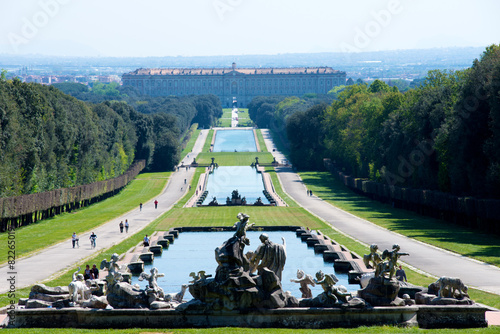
(34, 55)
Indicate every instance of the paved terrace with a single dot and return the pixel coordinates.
(43, 265)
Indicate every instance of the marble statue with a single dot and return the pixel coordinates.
(304, 280)
(337, 295)
(241, 227)
(390, 264)
(77, 288)
(114, 275)
(270, 255)
(177, 297)
(371, 260)
(154, 291)
(451, 287)
(200, 276)
(111, 265)
(393, 257)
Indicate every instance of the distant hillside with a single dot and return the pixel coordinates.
(395, 63)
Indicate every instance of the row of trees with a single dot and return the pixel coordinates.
(442, 135)
(201, 109)
(50, 140)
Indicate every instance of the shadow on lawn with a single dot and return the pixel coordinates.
(405, 222)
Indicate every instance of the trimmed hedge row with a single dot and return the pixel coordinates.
(472, 212)
(26, 209)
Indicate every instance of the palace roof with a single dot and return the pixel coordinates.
(223, 71)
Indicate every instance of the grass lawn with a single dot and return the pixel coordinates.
(208, 141)
(47, 232)
(234, 158)
(261, 141)
(359, 330)
(226, 216)
(468, 242)
(243, 118)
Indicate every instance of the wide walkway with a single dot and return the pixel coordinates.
(53, 259)
(424, 257)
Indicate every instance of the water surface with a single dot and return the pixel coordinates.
(234, 141)
(195, 251)
(225, 179)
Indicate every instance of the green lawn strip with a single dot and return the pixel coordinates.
(455, 238)
(234, 158)
(194, 134)
(237, 330)
(208, 141)
(278, 189)
(35, 237)
(226, 216)
(224, 122)
(260, 139)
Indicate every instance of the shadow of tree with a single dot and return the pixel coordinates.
(456, 238)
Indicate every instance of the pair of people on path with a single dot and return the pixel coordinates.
(126, 225)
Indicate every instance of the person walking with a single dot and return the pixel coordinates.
(156, 204)
(146, 241)
(92, 238)
(74, 240)
(140, 206)
(121, 227)
(126, 226)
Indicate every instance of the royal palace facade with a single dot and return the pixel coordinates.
(242, 84)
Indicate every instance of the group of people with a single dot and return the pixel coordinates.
(126, 225)
(309, 192)
(91, 273)
(123, 225)
(75, 241)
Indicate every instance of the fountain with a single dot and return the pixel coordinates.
(247, 291)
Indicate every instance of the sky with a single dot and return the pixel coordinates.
(132, 28)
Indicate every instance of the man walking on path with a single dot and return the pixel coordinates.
(140, 206)
(74, 239)
(156, 204)
(121, 227)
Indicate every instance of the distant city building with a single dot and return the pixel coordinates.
(241, 83)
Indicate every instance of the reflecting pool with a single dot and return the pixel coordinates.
(234, 141)
(225, 179)
(195, 251)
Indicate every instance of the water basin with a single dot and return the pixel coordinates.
(234, 141)
(195, 251)
(225, 179)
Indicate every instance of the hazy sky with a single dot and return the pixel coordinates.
(234, 27)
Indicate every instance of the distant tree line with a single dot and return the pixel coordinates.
(201, 109)
(444, 134)
(50, 140)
